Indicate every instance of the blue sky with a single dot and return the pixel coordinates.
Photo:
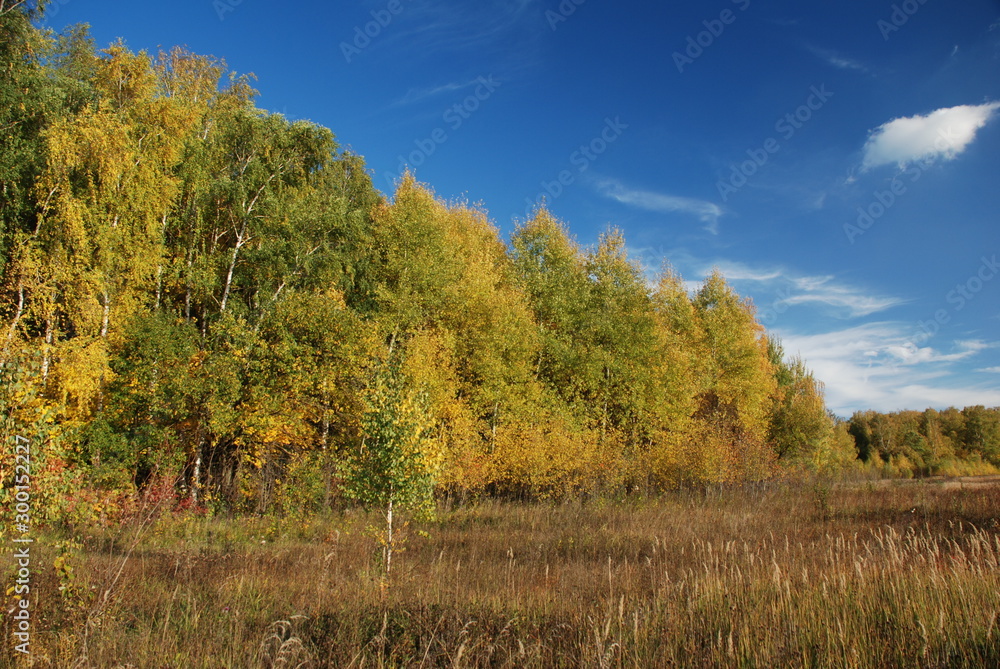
(839, 161)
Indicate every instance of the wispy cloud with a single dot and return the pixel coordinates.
(908, 353)
(735, 271)
(990, 370)
(415, 95)
(877, 366)
(855, 302)
(944, 133)
(440, 27)
(836, 60)
(774, 289)
(786, 288)
(707, 212)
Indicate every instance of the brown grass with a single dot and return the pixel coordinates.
(784, 575)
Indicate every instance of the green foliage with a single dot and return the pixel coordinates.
(800, 427)
(394, 462)
(930, 442)
(302, 491)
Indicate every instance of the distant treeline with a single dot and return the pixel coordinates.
(195, 289)
(949, 442)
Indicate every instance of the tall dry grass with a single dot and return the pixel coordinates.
(785, 575)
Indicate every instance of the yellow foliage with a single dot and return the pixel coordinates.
(551, 457)
(108, 185)
(82, 372)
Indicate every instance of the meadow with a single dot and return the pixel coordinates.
(811, 574)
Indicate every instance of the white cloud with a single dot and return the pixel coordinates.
(692, 287)
(944, 133)
(876, 366)
(909, 353)
(736, 271)
(707, 212)
(853, 300)
(990, 370)
(786, 288)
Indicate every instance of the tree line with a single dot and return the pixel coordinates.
(195, 289)
(913, 443)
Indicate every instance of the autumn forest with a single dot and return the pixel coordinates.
(197, 289)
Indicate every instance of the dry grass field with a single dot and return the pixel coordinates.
(785, 575)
